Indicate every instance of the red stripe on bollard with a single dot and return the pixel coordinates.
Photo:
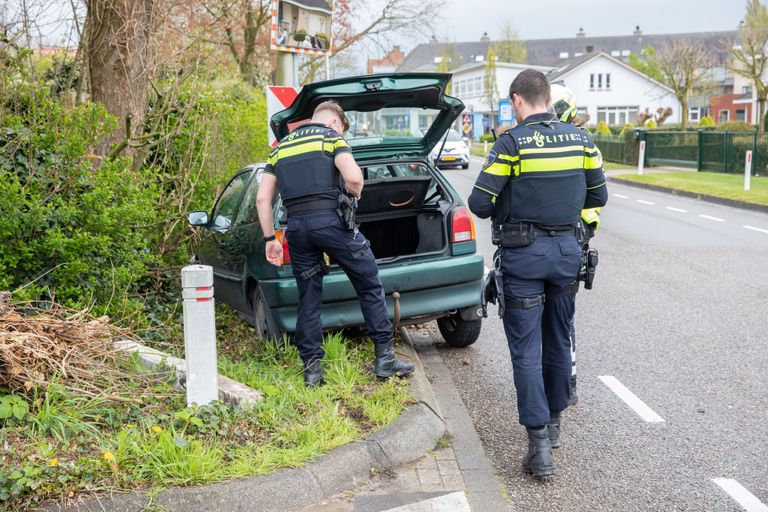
(203, 299)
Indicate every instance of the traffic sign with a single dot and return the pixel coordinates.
(278, 99)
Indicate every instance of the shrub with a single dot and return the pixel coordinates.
(706, 122)
(486, 138)
(735, 126)
(651, 124)
(603, 129)
(627, 128)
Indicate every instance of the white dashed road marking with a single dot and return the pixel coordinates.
(743, 497)
(631, 399)
(709, 217)
(453, 502)
(643, 201)
(753, 228)
(672, 208)
(621, 196)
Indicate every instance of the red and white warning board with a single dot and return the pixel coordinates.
(278, 98)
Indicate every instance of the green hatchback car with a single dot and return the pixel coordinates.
(420, 231)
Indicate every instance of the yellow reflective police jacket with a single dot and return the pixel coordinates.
(542, 171)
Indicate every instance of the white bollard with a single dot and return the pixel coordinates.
(747, 169)
(485, 147)
(199, 335)
(641, 158)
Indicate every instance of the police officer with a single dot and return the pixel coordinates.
(535, 182)
(564, 106)
(311, 167)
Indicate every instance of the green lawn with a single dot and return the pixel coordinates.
(612, 166)
(730, 186)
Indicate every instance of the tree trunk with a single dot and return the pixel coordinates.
(118, 56)
(684, 113)
(760, 115)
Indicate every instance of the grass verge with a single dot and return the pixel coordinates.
(728, 186)
(56, 443)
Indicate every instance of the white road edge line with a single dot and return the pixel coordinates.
(742, 496)
(453, 502)
(631, 399)
(709, 217)
(672, 208)
(621, 196)
(643, 201)
(753, 228)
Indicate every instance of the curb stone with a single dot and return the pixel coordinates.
(416, 431)
(694, 195)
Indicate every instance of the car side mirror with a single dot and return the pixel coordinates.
(197, 218)
(465, 139)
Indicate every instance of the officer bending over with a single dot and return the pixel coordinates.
(307, 167)
(535, 182)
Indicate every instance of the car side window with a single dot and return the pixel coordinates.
(224, 211)
(247, 213)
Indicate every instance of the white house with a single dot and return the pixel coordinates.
(612, 91)
(468, 84)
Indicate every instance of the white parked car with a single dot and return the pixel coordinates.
(455, 152)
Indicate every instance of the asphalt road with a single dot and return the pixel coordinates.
(678, 316)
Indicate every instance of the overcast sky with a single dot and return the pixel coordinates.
(466, 20)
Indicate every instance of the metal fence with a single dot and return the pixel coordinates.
(702, 150)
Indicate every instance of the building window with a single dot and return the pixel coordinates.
(741, 114)
(479, 58)
(746, 89)
(578, 54)
(625, 53)
(608, 81)
(563, 55)
(724, 115)
(694, 114)
(479, 86)
(599, 81)
(617, 116)
(591, 81)
(615, 53)
(438, 59)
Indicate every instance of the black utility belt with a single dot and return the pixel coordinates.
(313, 206)
(522, 234)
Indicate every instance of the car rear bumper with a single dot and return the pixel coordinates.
(429, 288)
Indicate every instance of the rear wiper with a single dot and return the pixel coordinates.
(442, 146)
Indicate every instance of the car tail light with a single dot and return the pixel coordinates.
(462, 226)
(280, 234)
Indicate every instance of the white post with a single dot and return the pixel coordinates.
(747, 169)
(199, 335)
(327, 67)
(485, 147)
(641, 158)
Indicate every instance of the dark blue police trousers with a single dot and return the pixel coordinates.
(309, 235)
(538, 336)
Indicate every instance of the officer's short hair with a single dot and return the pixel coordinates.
(532, 86)
(334, 108)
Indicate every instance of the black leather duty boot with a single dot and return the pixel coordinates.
(539, 461)
(553, 429)
(387, 364)
(313, 373)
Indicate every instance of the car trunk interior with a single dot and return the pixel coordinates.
(402, 216)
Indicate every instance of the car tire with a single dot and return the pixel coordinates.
(465, 166)
(263, 322)
(458, 332)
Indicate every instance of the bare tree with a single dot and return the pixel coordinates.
(684, 65)
(509, 47)
(749, 56)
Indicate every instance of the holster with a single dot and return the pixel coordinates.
(346, 210)
(589, 260)
(493, 287)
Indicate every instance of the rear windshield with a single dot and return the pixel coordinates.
(389, 125)
(377, 172)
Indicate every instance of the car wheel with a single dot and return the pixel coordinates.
(458, 332)
(263, 323)
(465, 166)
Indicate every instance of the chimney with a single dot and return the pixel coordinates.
(433, 39)
(485, 38)
(580, 33)
(637, 31)
(590, 49)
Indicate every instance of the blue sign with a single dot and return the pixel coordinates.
(506, 113)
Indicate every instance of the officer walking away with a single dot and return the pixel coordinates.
(564, 106)
(535, 182)
(315, 172)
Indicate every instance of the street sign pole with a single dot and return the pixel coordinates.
(641, 158)
(747, 169)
